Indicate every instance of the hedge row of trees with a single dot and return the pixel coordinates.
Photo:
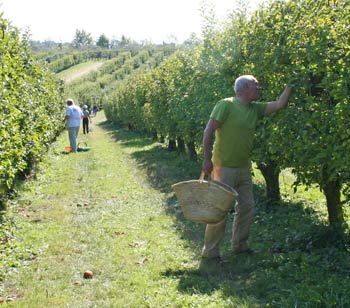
(66, 56)
(307, 40)
(66, 60)
(30, 108)
(96, 87)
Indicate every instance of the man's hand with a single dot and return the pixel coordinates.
(207, 166)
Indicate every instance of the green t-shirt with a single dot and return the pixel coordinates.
(234, 139)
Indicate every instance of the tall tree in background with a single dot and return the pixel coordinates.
(103, 41)
(82, 39)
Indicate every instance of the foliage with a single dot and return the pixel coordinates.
(172, 93)
(98, 87)
(103, 41)
(30, 108)
(281, 41)
(62, 61)
(82, 39)
(309, 44)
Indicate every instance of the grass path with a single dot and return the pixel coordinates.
(79, 70)
(111, 211)
(95, 211)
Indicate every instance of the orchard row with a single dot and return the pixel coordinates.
(30, 108)
(301, 42)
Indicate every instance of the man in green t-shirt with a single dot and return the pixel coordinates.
(233, 121)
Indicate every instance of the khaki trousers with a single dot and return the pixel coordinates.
(241, 180)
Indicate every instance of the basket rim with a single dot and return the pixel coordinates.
(215, 183)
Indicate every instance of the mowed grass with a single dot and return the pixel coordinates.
(111, 211)
(97, 211)
(78, 70)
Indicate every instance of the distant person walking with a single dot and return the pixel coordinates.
(94, 110)
(86, 119)
(73, 118)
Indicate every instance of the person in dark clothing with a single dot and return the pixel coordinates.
(94, 110)
(86, 119)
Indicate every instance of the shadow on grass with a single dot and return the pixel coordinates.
(299, 261)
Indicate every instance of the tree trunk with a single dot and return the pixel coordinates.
(192, 150)
(172, 145)
(162, 139)
(2, 208)
(180, 145)
(271, 172)
(334, 206)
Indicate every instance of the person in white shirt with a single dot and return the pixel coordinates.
(73, 118)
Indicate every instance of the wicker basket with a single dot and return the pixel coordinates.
(204, 201)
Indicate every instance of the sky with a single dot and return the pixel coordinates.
(152, 20)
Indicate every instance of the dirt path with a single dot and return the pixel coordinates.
(82, 72)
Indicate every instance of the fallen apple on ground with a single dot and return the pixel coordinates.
(88, 274)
